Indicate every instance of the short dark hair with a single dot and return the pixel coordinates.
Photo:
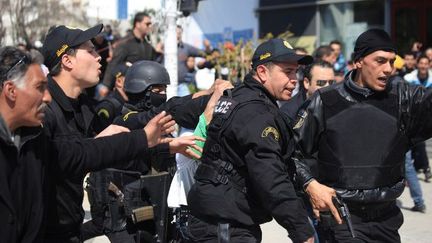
(322, 51)
(139, 17)
(335, 42)
(423, 56)
(409, 53)
(269, 65)
(58, 67)
(318, 63)
(14, 64)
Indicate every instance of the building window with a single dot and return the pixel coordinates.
(345, 21)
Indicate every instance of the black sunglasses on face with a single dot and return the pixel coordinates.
(321, 82)
(23, 60)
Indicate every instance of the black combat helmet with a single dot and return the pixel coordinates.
(143, 74)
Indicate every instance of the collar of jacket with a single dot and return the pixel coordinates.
(5, 133)
(24, 133)
(365, 92)
(58, 95)
(252, 83)
(139, 40)
(351, 85)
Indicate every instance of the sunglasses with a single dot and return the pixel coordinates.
(23, 60)
(321, 82)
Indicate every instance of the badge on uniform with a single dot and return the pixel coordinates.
(103, 113)
(125, 117)
(301, 119)
(270, 131)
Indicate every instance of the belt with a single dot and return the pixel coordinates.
(371, 211)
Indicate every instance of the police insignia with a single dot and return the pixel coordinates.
(103, 113)
(301, 120)
(265, 55)
(270, 130)
(62, 50)
(125, 117)
(287, 44)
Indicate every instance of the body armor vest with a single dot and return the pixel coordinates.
(215, 166)
(363, 145)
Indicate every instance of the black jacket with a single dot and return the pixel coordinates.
(184, 110)
(130, 49)
(65, 120)
(292, 106)
(31, 164)
(109, 108)
(408, 110)
(257, 143)
(72, 121)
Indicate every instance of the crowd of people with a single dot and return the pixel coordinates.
(300, 139)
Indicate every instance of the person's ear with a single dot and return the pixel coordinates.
(306, 83)
(67, 61)
(9, 88)
(359, 63)
(262, 72)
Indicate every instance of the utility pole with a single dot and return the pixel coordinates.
(170, 46)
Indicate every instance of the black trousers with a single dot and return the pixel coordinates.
(201, 231)
(371, 226)
(419, 155)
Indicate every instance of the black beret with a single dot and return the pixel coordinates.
(370, 41)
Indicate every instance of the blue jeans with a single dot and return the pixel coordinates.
(413, 182)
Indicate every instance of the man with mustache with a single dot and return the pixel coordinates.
(359, 131)
(245, 174)
(31, 161)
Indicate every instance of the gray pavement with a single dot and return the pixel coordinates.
(417, 227)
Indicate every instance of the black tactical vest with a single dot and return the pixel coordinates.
(215, 166)
(363, 145)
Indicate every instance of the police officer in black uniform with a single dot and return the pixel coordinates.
(145, 89)
(360, 130)
(245, 176)
(111, 106)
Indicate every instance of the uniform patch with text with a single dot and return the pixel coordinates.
(225, 106)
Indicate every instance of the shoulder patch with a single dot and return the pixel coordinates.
(103, 113)
(125, 117)
(270, 130)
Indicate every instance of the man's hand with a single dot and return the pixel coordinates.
(111, 130)
(218, 82)
(160, 125)
(183, 145)
(210, 91)
(321, 199)
(220, 86)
